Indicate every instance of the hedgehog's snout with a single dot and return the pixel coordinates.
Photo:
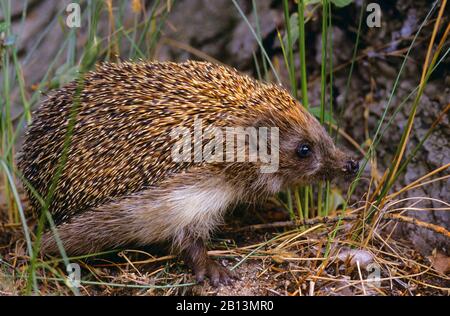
(351, 167)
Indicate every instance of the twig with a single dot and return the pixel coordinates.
(411, 220)
(309, 222)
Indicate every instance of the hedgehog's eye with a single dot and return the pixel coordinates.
(304, 150)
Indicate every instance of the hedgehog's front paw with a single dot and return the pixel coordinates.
(196, 257)
(216, 273)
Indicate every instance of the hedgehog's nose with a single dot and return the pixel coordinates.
(351, 166)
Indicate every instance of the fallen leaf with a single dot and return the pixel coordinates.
(440, 262)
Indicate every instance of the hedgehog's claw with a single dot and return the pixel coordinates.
(202, 266)
(218, 274)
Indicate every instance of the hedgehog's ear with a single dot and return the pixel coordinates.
(263, 121)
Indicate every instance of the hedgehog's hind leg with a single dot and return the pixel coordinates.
(92, 231)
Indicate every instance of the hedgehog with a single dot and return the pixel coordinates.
(103, 148)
